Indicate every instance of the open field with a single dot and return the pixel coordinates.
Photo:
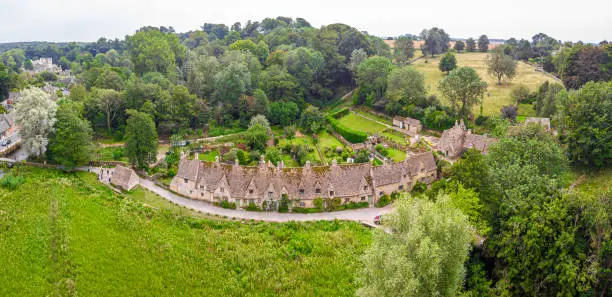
(497, 95)
(396, 155)
(356, 122)
(67, 235)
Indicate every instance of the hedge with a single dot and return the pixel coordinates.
(340, 113)
(351, 135)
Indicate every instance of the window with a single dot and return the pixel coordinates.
(258, 201)
(222, 190)
(347, 200)
(301, 191)
(318, 191)
(422, 169)
(302, 204)
(201, 186)
(363, 198)
(185, 180)
(401, 187)
(331, 193)
(380, 193)
(365, 188)
(251, 191)
(270, 195)
(202, 194)
(190, 191)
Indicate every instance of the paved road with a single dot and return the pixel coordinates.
(364, 215)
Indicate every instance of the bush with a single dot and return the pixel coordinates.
(11, 182)
(481, 120)
(384, 200)
(340, 113)
(228, 205)
(353, 205)
(253, 207)
(351, 135)
(419, 188)
(305, 210)
(118, 153)
(283, 205)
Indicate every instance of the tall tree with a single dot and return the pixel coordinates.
(483, 43)
(436, 41)
(463, 88)
(423, 256)
(70, 145)
(500, 65)
(372, 77)
(470, 44)
(35, 115)
(406, 85)
(459, 45)
(110, 102)
(141, 139)
(403, 50)
(358, 56)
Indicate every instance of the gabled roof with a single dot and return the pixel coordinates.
(121, 177)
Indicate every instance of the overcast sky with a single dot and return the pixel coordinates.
(87, 20)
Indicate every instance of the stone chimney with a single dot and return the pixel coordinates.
(236, 163)
(216, 159)
(334, 162)
(196, 156)
(307, 165)
(182, 155)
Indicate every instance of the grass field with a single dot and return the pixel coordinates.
(497, 95)
(67, 235)
(356, 122)
(396, 155)
(395, 136)
(109, 154)
(328, 144)
(303, 139)
(208, 156)
(363, 111)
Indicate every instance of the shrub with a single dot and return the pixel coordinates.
(481, 120)
(353, 205)
(384, 200)
(283, 205)
(340, 113)
(318, 203)
(305, 210)
(351, 135)
(253, 207)
(11, 182)
(419, 188)
(228, 205)
(118, 153)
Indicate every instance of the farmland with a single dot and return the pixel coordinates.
(497, 95)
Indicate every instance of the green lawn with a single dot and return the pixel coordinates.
(356, 122)
(328, 144)
(306, 140)
(498, 95)
(208, 156)
(110, 154)
(67, 235)
(396, 155)
(367, 113)
(395, 136)
(149, 198)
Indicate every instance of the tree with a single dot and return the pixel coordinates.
(470, 44)
(423, 255)
(463, 88)
(155, 51)
(110, 102)
(403, 50)
(140, 138)
(261, 102)
(362, 156)
(312, 119)
(256, 136)
(483, 43)
(500, 65)
(357, 56)
(587, 115)
(283, 113)
(436, 41)
(372, 76)
(545, 104)
(406, 85)
(230, 83)
(35, 115)
(262, 121)
(70, 145)
(278, 84)
(182, 105)
(448, 62)
(520, 94)
(459, 45)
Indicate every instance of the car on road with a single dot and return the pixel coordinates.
(378, 220)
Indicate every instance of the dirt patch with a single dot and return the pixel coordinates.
(298, 134)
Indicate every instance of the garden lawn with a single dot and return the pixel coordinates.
(396, 155)
(67, 235)
(363, 111)
(112, 153)
(328, 144)
(497, 95)
(208, 156)
(306, 140)
(357, 122)
(395, 136)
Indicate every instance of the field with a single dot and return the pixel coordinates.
(497, 96)
(356, 122)
(303, 139)
(328, 144)
(67, 235)
(396, 155)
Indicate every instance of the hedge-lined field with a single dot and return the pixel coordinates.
(66, 235)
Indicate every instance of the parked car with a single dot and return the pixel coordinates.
(378, 220)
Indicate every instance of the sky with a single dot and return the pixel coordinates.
(87, 20)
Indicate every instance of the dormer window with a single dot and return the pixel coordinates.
(365, 188)
(318, 190)
(331, 193)
(251, 191)
(185, 180)
(301, 191)
(222, 190)
(270, 195)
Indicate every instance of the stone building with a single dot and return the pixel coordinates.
(122, 177)
(216, 182)
(458, 138)
(408, 124)
(45, 64)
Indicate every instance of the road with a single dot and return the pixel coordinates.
(364, 215)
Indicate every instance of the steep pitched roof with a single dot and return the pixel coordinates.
(121, 177)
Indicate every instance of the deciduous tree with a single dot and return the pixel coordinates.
(463, 88)
(35, 115)
(500, 65)
(140, 139)
(70, 145)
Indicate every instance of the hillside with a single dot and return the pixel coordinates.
(68, 235)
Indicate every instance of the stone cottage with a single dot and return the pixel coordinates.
(216, 182)
(408, 124)
(458, 138)
(121, 177)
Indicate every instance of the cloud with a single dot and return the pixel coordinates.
(72, 20)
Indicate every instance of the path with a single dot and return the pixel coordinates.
(363, 215)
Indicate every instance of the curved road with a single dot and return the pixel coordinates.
(364, 215)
